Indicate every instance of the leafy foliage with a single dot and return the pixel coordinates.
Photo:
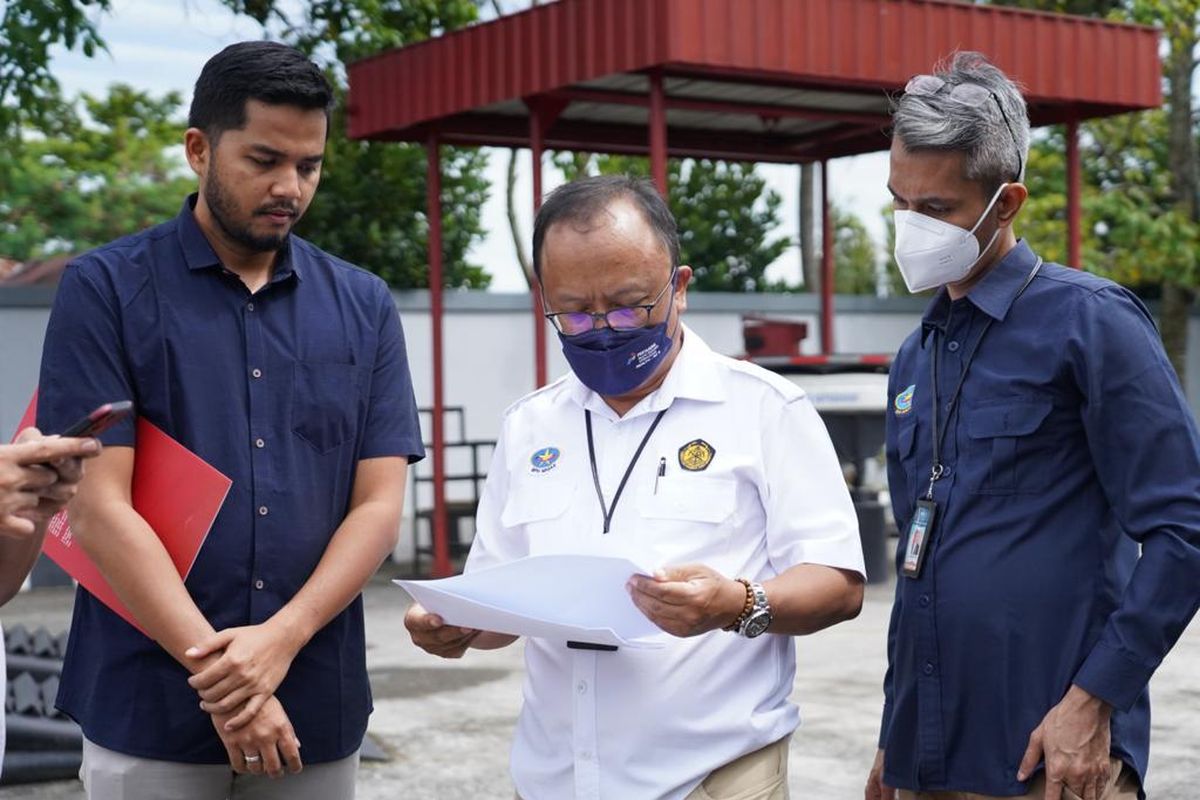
(370, 208)
(1141, 196)
(81, 179)
(855, 262)
(1134, 232)
(29, 30)
(65, 190)
(724, 211)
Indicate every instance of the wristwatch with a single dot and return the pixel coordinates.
(756, 617)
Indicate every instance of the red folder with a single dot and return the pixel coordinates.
(175, 491)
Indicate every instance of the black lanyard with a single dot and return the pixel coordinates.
(607, 510)
(939, 431)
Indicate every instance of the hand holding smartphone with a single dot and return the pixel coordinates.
(99, 420)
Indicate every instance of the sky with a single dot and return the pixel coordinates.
(161, 45)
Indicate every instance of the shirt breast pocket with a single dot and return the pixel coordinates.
(326, 399)
(1003, 437)
(906, 450)
(688, 517)
(538, 506)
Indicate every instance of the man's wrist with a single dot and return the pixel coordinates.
(295, 625)
(1081, 698)
(737, 599)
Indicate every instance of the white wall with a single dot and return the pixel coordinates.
(21, 333)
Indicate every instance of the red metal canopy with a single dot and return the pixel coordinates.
(788, 81)
(757, 80)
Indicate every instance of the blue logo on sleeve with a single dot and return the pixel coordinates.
(904, 400)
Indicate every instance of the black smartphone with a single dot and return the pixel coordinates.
(100, 420)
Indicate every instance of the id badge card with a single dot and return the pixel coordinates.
(920, 535)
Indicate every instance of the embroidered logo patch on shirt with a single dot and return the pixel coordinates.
(904, 401)
(545, 459)
(696, 455)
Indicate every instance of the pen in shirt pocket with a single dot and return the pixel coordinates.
(662, 470)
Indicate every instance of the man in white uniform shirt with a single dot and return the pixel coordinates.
(655, 446)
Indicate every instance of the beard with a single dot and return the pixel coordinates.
(225, 213)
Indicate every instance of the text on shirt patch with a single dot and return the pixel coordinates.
(696, 455)
(545, 459)
(904, 400)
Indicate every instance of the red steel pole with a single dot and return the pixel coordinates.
(433, 200)
(536, 146)
(826, 263)
(1074, 235)
(658, 133)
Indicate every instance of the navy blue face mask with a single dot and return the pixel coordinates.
(613, 363)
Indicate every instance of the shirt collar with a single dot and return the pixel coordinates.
(993, 295)
(199, 254)
(693, 376)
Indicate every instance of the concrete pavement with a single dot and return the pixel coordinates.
(447, 725)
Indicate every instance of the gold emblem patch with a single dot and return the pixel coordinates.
(696, 455)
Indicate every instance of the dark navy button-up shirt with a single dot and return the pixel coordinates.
(1071, 445)
(284, 392)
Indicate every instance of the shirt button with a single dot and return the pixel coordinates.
(256, 373)
(250, 306)
(258, 584)
(924, 600)
(586, 755)
(581, 687)
(952, 346)
(263, 511)
(259, 443)
(928, 668)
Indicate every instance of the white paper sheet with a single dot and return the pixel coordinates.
(559, 597)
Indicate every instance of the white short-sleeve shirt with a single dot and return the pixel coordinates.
(636, 724)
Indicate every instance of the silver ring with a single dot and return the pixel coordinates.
(251, 758)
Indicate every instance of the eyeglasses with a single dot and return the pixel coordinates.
(622, 318)
(971, 94)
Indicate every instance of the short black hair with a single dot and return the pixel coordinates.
(580, 201)
(269, 72)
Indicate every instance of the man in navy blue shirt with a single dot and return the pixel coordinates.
(284, 368)
(1036, 436)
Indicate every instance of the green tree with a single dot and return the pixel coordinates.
(83, 177)
(1141, 198)
(29, 30)
(1134, 233)
(725, 212)
(370, 208)
(855, 259)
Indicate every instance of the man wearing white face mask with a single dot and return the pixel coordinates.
(1037, 435)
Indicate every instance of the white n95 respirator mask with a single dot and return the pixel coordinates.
(932, 253)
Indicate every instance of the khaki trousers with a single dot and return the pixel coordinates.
(108, 775)
(761, 775)
(1122, 785)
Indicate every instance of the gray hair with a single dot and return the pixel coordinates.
(939, 122)
(581, 201)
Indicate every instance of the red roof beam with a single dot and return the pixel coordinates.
(589, 137)
(766, 111)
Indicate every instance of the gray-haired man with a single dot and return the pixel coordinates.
(1037, 436)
